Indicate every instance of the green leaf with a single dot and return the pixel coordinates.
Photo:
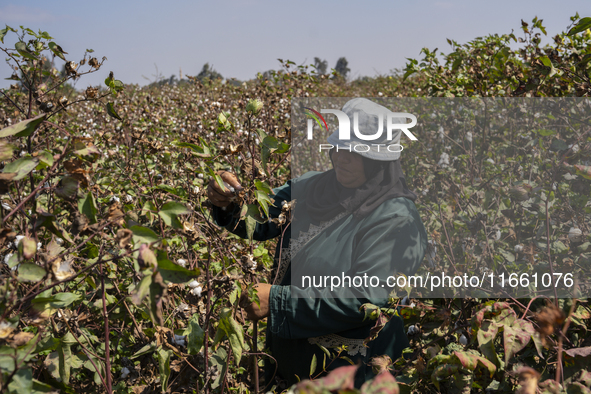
(546, 61)
(45, 159)
(263, 186)
(234, 333)
(195, 335)
(6, 150)
(22, 381)
(3, 34)
(21, 167)
(384, 383)
(114, 85)
(219, 181)
(342, 378)
(516, 336)
(486, 337)
(111, 111)
(149, 209)
(21, 48)
(197, 150)
(28, 272)
(546, 132)
(170, 211)
(57, 301)
(167, 188)
(313, 365)
(67, 188)
(558, 145)
(220, 361)
(146, 258)
(65, 354)
(87, 206)
(149, 348)
(27, 248)
(251, 216)
(57, 50)
(164, 367)
(472, 359)
(174, 273)
(40, 387)
(14, 260)
(583, 25)
(270, 145)
(263, 200)
(88, 152)
(143, 235)
(47, 220)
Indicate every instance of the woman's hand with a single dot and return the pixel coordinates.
(219, 197)
(253, 312)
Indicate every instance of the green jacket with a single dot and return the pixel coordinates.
(391, 239)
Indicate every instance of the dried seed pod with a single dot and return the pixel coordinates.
(93, 62)
(91, 92)
(71, 67)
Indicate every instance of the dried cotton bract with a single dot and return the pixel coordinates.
(62, 270)
(248, 263)
(91, 92)
(71, 67)
(5, 329)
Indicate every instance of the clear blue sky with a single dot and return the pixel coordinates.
(241, 38)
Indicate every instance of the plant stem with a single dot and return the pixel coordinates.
(255, 334)
(106, 316)
(206, 323)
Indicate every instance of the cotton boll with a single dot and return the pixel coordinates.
(412, 330)
(443, 160)
(124, 372)
(575, 234)
(180, 340)
(469, 136)
(18, 240)
(518, 248)
(196, 291)
(431, 252)
(463, 340)
(114, 199)
(128, 198)
(182, 262)
(193, 284)
(62, 270)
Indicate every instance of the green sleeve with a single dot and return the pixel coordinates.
(394, 244)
